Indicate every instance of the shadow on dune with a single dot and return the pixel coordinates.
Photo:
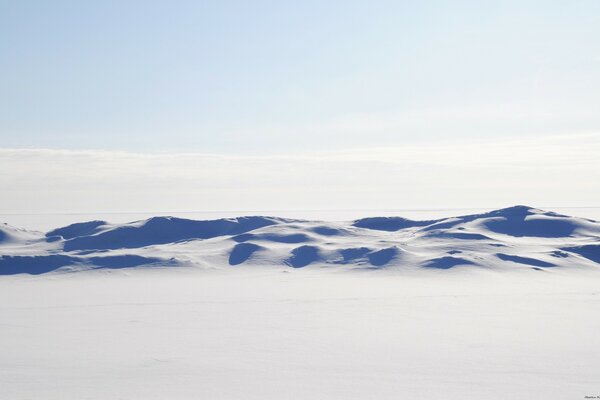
(327, 231)
(242, 252)
(389, 224)
(447, 262)
(525, 260)
(361, 255)
(590, 251)
(353, 254)
(35, 265)
(457, 235)
(303, 256)
(381, 257)
(519, 227)
(162, 230)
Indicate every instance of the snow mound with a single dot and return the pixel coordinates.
(162, 230)
(10, 235)
(382, 257)
(303, 256)
(78, 229)
(512, 238)
(242, 252)
(447, 262)
(390, 224)
(521, 221)
(35, 265)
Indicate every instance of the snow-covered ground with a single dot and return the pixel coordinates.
(497, 305)
(300, 334)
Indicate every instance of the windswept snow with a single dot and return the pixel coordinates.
(157, 230)
(489, 306)
(10, 235)
(515, 237)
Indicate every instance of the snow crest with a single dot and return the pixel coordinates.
(515, 237)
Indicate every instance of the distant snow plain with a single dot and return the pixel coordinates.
(496, 305)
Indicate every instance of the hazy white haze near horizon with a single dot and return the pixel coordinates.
(555, 171)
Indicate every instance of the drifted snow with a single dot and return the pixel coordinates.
(516, 237)
(490, 306)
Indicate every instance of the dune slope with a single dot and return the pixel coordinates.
(509, 238)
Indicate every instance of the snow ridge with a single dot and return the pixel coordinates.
(509, 238)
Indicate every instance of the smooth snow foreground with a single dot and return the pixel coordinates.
(491, 306)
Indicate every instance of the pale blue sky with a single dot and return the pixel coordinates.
(244, 77)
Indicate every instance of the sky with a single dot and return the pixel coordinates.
(155, 105)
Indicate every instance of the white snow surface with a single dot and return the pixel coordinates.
(497, 305)
(509, 238)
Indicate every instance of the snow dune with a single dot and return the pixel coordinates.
(490, 306)
(515, 237)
